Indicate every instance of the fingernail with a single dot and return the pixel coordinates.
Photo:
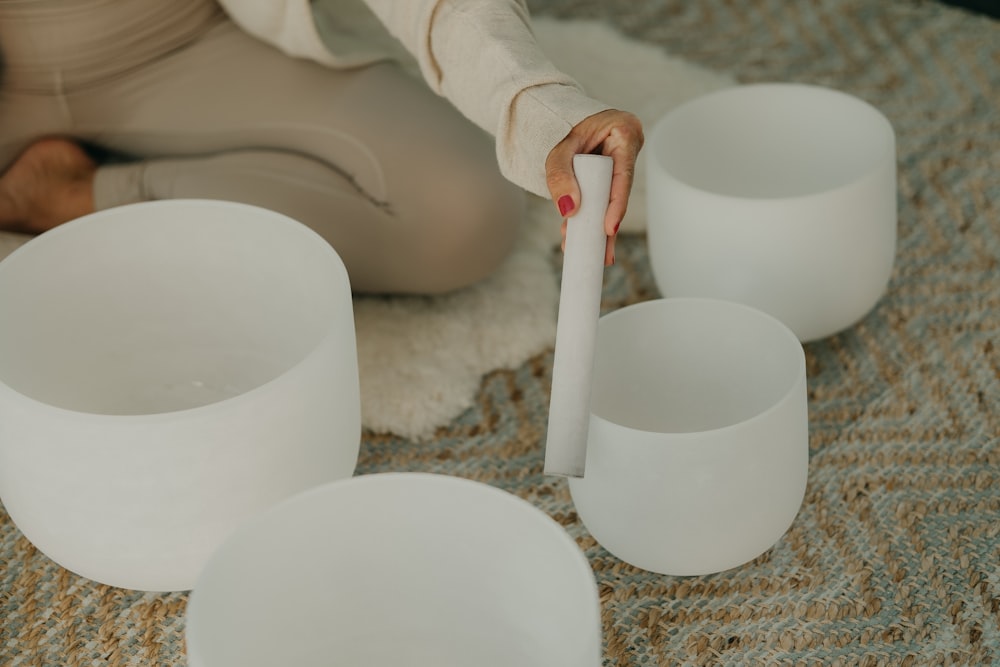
(565, 205)
(617, 226)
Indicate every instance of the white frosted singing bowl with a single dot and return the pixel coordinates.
(397, 569)
(166, 370)
(698, 447)
(780, 196)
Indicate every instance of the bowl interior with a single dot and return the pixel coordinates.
(164, 306)
(771, 141)
(691, 365)
(394, 569)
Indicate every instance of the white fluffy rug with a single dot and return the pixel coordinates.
(422, 359)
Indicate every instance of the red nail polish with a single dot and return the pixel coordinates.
(619, 224)
(565, 205)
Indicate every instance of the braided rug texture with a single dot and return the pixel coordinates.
(894, 558)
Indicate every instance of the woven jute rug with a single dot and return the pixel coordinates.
(894, 558)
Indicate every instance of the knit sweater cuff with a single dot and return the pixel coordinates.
(540, 117)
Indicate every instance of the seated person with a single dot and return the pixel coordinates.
(297, 107)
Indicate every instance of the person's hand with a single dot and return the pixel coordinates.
(617, 134)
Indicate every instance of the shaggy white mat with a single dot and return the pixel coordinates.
(422, 359)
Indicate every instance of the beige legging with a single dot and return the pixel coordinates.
(405, 189)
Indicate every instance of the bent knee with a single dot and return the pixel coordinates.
(468, 237)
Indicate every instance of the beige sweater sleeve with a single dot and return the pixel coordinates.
(480, 54)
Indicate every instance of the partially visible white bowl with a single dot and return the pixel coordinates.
(397, 569)
(168, 369)
(779, 196)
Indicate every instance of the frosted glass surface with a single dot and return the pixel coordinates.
(166, 370)
(697, 452)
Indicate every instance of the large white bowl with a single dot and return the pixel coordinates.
(168, 369)
(698, 450)
(397, 569)
(780, 196)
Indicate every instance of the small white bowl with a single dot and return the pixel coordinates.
(698, 449)
(397, 569)
(168, 369)
(780, 196)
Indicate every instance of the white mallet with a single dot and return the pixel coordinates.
(576, 327)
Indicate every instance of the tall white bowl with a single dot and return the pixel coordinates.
(780, 196)
(168, 369)
(698, 449)
(397, 569)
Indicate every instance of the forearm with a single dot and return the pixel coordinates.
(482, 56)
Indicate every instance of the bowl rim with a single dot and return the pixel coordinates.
(8, 392)
(677, 438)
(656, 169)
(560, 537)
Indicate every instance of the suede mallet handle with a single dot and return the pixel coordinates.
(576, 326)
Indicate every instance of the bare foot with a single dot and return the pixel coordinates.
(50, 183)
